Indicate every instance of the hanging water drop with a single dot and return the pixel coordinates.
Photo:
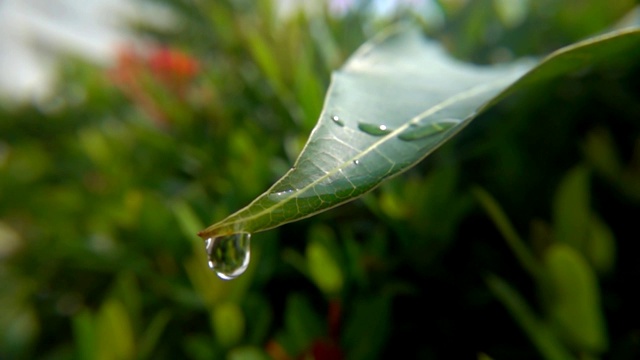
(416, 132)
(336, 120)
(374, 129)
(229, 255)
(356, 162)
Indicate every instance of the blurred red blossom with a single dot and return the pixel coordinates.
(147, 76)
(173, 66)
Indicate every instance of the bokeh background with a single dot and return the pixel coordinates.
(127, 127)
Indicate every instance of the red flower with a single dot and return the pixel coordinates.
(142, 76)
(173, 64)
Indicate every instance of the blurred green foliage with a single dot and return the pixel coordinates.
(104, 186)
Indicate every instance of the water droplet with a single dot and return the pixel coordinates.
(356, 162)
(281, 195)
(229, 255)
(374, 129)
(336, 119)
(416, 132)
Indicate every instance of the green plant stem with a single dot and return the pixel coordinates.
(517, 245)
(539, 333)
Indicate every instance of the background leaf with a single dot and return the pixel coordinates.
(576, 300)
(539, 332)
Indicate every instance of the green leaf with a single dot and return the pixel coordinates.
(367, 327)
(302, 324)
(575, 306)
(152, 334)
(84, 335)
(247, 353)
(228, 323)
(539, 332)
(517, 245)
(572, 209)
(601, 246)
(394, 102)
(512, 12)
(114, 319)
(324, 268)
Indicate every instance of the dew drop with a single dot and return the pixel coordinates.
(336, 120)
(281, 195)
(417, 132)
(374, 129)
(229, 255)
(356, 162)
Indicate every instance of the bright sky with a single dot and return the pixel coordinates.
(33, 32)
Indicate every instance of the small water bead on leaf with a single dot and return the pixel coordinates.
(374, 129)
(281, 195)
(229, 255)
(336, 120)
(356, 162)
(416, 132)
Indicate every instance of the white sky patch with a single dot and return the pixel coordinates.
(33, 33)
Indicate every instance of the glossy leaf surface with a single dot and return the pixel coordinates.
(396, 100)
